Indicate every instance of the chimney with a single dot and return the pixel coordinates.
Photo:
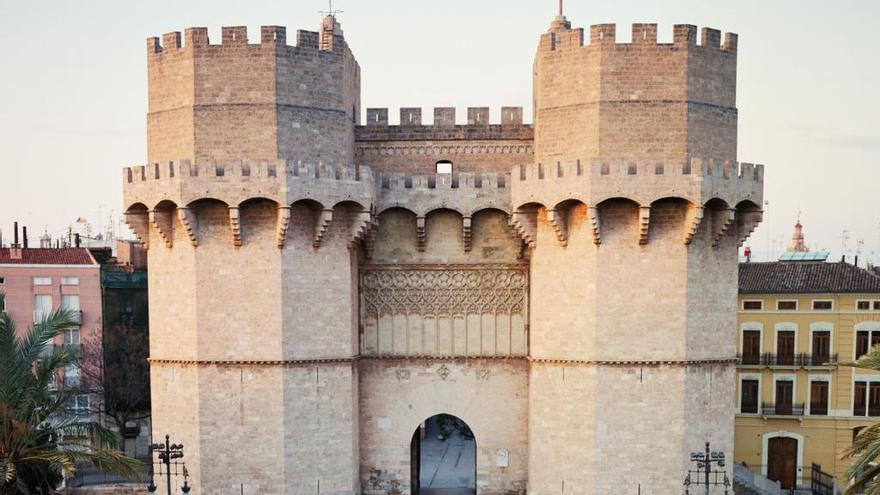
(76, 240)
(748, 253)
(24, 236)
(15, 234)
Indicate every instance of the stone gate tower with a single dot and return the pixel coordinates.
(319, 288)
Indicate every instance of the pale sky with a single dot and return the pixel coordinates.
(73, 90)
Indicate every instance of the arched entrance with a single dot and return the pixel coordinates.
(782, 458)
(443, 454)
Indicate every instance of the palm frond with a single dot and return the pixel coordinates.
(870, 361)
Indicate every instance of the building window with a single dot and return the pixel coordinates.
(2, 281)
(444, 167)
(42, 307)
(784, 397)
(2, 302)
(749, 396)
(69, 280)
(822, 305)
(819, 398)
(42, 280)
(71, 337)
(876, 305)
(863, 305)
(821, 348)
(865, 340)
(71, 376)
(785, 348)
(753, 305)
(751, 348)
(78, 406)
(866, 399)
(786, 305)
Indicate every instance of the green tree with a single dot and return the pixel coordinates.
(38, 443)
(865, 451)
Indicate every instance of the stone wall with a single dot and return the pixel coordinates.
(397, 395)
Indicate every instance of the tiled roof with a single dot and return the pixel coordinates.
(801, 277)
(46, 256)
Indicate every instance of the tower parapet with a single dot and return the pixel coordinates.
(304, 97)
(641, 99)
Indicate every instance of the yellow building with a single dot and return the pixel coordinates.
(798, 319)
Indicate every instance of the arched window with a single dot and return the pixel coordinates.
(444, 167)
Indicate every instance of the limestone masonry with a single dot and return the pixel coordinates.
(318, 290)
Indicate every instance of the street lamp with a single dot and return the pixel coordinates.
(167, 452)
(709, 478)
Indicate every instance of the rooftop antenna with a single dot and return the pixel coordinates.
(332, 13)
(560, 9)
(844, 236)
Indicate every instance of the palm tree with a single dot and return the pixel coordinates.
(38, 444)
(865, 450)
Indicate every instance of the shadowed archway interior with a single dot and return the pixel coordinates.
(443, 457)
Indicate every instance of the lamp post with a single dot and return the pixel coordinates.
(705, 475)
(167, 452)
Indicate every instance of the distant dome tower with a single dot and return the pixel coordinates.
(797, 244)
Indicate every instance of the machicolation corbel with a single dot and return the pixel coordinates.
(323, 223)
(283, 225)
(190, 222)
(235, 225)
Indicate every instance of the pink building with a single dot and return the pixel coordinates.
(37, 281)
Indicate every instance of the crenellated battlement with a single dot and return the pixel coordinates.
(444, 127)
(200, 92)
(642, 181)
(465, 192)
(604, 36)
(196, 38)
(235, 182)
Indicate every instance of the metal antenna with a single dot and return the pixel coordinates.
(331, 12)
(560, 9)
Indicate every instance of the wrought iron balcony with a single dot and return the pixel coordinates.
(803, 360)
(782, 409)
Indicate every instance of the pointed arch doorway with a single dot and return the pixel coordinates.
(443, 457)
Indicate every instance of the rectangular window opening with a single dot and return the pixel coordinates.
(753, 305)
(819, 398)
(42, 280)
(749, 402)
(822, 305)
(786, 305)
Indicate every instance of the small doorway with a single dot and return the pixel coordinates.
(782, 461)
(443, 457)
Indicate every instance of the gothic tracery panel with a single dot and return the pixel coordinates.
(445, 311)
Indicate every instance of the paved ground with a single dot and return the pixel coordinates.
(447, 467)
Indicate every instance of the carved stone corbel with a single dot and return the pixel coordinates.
(593, 217)
(235, 225)
(747, 222)
(140, 225)
(644, 223)
(190, 223)
(421, 234)
(161, 221)
(324, 219)
(725, 219)
(282, 225)
(692, 223)
(525, 223)
(558, 219)
(360, 227)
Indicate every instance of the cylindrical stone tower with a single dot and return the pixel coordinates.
(248, 209)
(634, 212)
